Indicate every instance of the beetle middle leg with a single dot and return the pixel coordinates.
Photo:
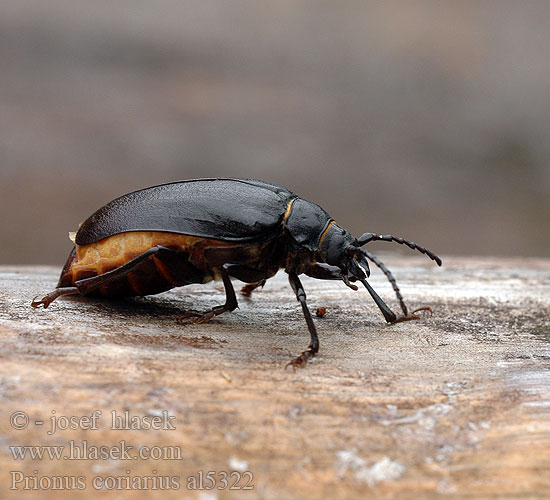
(230, 302)
(254, 278)
(313, 347)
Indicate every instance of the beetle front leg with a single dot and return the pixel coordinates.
(230, 302)
(412, 315)
(389, 315)
(313, 348)
(407, 315)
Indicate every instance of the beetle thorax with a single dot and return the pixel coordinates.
(300, 262)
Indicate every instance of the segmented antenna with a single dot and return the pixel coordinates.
(390, 277)
(367, 237)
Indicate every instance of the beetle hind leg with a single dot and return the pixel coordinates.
(87, 285)
(230, 303)
(50, 297)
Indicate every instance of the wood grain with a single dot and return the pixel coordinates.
(454, 404)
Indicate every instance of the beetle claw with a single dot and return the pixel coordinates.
(46, 300)
(50, 297)
(247, 289)
(182, 318)
(345, 279)
(42, 302)
(203, 318)
(198, 317)
(412, 315)
(301, 360)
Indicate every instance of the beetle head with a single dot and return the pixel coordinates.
(339, 248)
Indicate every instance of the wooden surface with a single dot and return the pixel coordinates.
(456, 404)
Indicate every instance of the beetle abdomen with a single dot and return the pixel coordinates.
(154, 275)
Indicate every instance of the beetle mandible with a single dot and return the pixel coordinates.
(194, 231)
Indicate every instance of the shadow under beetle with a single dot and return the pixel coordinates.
(194, 231)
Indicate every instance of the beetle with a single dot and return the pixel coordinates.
(197, 230)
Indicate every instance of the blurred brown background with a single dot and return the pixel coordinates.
(428, 119)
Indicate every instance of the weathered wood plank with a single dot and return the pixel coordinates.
(455, 403)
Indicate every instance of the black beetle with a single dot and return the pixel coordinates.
(197, 230)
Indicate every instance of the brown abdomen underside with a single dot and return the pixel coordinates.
(153, 275)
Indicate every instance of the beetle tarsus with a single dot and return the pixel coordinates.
(301, 360)
(412, 315)
(183, 317)
(247, 289)
(345, 279)
(198, 317)
(44, 301)
(50, 297)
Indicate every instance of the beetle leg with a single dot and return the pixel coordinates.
(50, 297)
(230, 302)
(323, 271)
(253, 278)
(247, 289)
(407, 316)
(391, 279)
(412, 315)
(301, 361)
(87, 285)
(389, 315)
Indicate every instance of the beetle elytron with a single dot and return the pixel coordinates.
(193, 231)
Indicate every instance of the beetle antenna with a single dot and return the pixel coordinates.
(367, 237)
(390, 277)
